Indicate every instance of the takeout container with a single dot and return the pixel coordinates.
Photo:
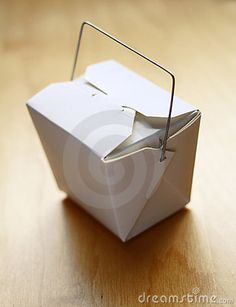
(115, 145)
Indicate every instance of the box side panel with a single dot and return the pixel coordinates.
(175, 188)
(65, 155)
(53, 141)
(180, 173)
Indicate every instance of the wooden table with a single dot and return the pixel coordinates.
(51, 252)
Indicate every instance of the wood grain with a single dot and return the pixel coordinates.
(51, 252)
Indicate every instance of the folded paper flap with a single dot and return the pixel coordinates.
(142, 173)
(130, 89)
(85, 113)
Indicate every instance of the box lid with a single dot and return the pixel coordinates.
(86, 113)
(129, 89)
(99, 108)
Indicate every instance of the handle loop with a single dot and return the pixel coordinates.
(87, 23)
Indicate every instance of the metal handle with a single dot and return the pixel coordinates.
(164, 141)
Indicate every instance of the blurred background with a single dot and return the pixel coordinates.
(52, 253)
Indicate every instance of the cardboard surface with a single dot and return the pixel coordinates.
(82, 123)
(131, 90)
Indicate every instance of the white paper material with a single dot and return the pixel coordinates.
(130, 89)
(101, 136)
(71, 105)
(145, 134)
(145, 171)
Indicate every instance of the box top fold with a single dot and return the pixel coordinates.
(129, 89)
(86, 114)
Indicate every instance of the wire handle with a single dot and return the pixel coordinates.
(164, 141)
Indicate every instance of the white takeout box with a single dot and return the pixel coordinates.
(81, 124)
